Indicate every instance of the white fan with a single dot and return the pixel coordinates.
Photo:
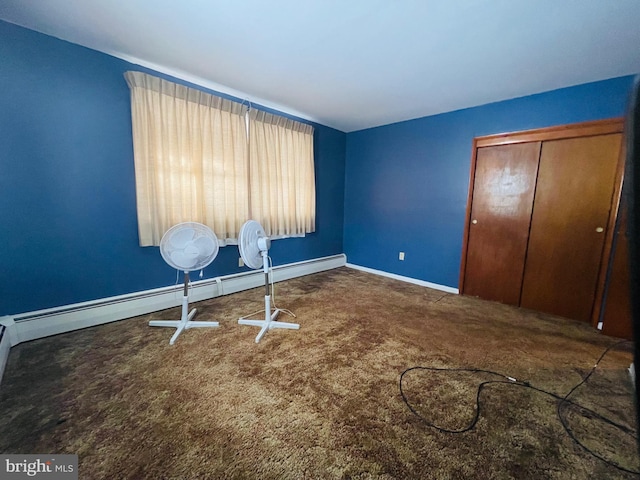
(254, 244)
(187, 246)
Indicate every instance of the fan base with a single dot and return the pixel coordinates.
(184, 324)
(268, 324)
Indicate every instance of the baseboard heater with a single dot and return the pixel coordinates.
(28, 326)
(5, 343)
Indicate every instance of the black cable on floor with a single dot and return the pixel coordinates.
(563, 401)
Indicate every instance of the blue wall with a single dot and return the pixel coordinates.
(407, 183)
(67, 193)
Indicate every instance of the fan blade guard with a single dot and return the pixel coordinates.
(189, 246)
(248, 243)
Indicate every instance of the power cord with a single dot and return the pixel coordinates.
(273, 293)
(563, 400)
(273, 297)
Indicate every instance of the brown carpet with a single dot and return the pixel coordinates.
(323, 401)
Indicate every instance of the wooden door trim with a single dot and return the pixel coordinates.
(583, 129)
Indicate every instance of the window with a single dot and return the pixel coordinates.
(199, 157)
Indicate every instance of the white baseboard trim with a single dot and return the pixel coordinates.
(422, 283)
(52, 321)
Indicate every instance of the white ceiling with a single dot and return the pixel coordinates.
(353, 64)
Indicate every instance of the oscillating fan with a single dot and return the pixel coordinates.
(187, 246)
(254, 244)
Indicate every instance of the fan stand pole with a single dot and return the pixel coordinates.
(185, 321)
(269, 321)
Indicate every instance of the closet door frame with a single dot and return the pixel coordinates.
(583, 129)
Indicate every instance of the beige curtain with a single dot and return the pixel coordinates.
(190, 151)
(194, 161)
(282, 179)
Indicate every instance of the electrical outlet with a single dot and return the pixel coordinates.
(401, 256)
(240, 262)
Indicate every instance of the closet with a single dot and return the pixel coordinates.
(540, 216)
(616, 317)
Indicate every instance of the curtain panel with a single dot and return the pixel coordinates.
(202, 158)
(282, 178)
(190, 154)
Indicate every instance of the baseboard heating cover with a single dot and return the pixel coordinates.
(7, 340)
(43, 323)
(402, 278)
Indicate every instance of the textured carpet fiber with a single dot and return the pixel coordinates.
(323, 401)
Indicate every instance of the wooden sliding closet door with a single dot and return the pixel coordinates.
(573, 197)
(503, 189)
(617, 318)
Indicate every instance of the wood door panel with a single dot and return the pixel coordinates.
(503, 190)
(572, 200)
(617, 317)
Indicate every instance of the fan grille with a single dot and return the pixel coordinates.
(248, 237)
(189, 246)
